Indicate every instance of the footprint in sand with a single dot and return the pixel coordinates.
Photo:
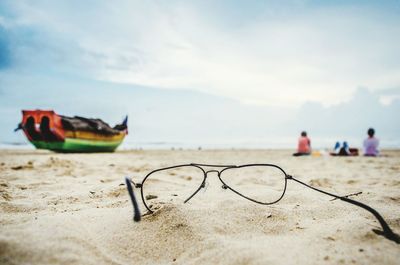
(351, 181)
(323, 182)
(57, 162)
(4, 186)
(28, 165)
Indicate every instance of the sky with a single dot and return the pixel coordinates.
(240, 72)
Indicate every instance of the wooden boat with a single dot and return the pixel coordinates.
(47, 130)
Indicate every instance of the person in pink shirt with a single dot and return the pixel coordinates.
(371, 144)
(304, 145)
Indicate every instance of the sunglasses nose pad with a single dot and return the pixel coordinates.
(205, 185)
(224, 186)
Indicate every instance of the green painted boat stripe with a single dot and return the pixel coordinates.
(91, 142)
(78, 145)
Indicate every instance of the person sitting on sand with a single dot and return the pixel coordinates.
(371, 144)
(344, 150)
(304, 145)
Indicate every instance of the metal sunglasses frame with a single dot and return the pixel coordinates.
(386, 230)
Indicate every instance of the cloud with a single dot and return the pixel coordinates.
(351, 118)
(274, 62)
(388, 96)
(268, 54)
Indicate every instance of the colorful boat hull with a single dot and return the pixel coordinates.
(48, 130)
(71, 145)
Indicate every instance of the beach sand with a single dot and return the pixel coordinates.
(74, 209)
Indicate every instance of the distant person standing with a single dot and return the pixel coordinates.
(304, 145)
(371, 144)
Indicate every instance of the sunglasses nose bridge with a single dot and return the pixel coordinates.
(212, 170)
(219, 173)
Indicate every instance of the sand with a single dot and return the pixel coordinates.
(74, 209)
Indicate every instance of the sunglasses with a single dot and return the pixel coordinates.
(259, 183)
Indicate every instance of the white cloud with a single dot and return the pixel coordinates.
(387, 100)
(318, 54)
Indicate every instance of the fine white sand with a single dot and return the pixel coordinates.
(74, 209)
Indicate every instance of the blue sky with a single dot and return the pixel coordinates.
(245, 60)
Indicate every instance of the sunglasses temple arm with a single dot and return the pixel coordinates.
(387, 232)
(136, 211)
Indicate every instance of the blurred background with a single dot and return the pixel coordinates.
(210, 74)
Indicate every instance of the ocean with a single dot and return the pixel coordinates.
(270, 143)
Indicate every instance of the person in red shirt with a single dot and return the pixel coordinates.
(304, 145)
